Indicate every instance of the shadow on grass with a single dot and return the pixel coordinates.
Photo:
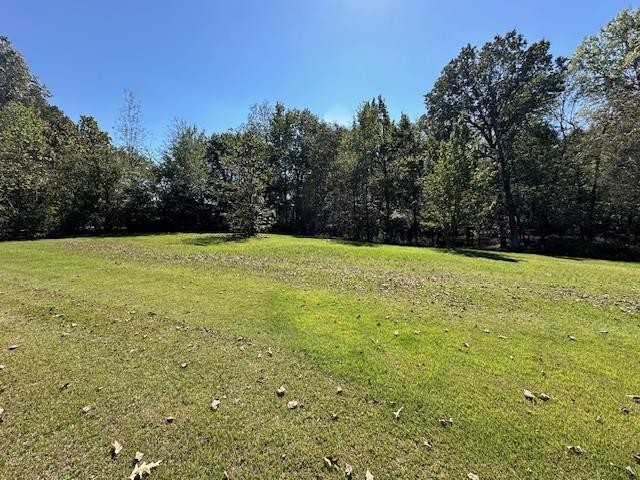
(489, 255)
(356, 243)
(218, 239)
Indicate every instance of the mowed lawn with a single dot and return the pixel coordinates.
(442, 335)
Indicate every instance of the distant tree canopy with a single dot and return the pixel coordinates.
(515, 147)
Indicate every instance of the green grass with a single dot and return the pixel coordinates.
(329, 312)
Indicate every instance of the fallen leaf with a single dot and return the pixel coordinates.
(269, 351)
(116, 448)
(348, 472)
(604, 332)
(169, 419)
(529, 396)
(215, 404)
(636, 457)
(502, 337)
(466, 345)
(368, 475)
(544, 397)
(398, 412)
(64, 386)
(291, 404)
(138, 457)
(630, 471)
(577, 449)
(446, 422)
(2, 367)
(571, 337)
(327, 461)
(86, 409)
(334, 416)
(184, 365)
(635, 398)
(13, 347)
(339, 390)
(472, 476)
(142, 469)
(281, 391)
(427, 444)
(486, 330)
(225, 475)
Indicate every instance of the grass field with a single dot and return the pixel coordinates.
(441, 334)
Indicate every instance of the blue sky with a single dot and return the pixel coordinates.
(207, 61)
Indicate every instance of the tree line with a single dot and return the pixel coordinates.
(515, 148)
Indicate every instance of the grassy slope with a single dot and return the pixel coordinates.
(329, 312)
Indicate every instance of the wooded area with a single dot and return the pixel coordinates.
(515, 148)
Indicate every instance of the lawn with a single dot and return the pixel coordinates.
(144, 328)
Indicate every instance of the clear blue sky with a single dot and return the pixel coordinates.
(207, 61)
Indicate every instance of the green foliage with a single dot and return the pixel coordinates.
(500, 88)
(609, 62)
(452, 183)
(526, 169)
(183, 183)
(246, 184)
(17, 83)
(25, 171)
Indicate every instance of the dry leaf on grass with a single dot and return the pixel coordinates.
(635, 398)
(339, 390)
(472, 476)
(573, 338)
(427, 444)
(398, 412)
(184, 365)
(330, 462)
(544, 397)
(140, 470)
(368, 475)
(577, 449)
(215, 404)
(529, 396)
(348, 472)
(13, 347)
(169, 419)
(281, 391)
(446, 422)
(137, 458)
(630, 471)
(116, 448)
(86, 409)
(291, 404)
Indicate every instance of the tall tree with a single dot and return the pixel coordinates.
(451, 182)
(500, 87)
(24, 177)
(184, 181)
